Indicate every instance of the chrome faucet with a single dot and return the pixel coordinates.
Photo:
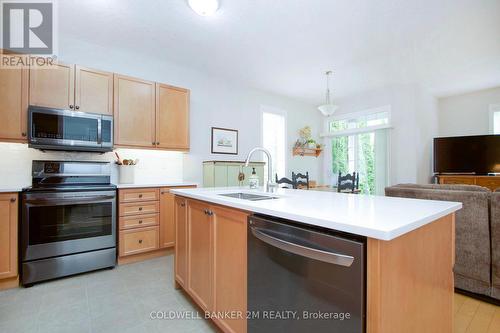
(270, 185)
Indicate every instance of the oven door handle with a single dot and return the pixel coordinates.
(325, 256)
(75, 200)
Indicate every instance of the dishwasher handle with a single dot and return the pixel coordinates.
(325, 256)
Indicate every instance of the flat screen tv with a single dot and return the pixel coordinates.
(467, 154)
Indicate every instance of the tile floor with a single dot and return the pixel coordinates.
(121, 300)
(117, 300)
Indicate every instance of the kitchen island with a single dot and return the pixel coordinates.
(409, 251)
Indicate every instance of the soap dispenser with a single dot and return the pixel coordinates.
(253, 180)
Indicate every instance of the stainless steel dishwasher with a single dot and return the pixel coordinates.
(304, 279)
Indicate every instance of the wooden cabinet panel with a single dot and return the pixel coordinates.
(181, 241)
(136, 208)
(13, 103)
(138, 241)
(172, 117)
(490, 182)
(138, 221)
(52, 87)
(93, 91)
(134, 112)
(8, 235)
(458, 180)
(230, 266)
(200, 254)
(139, 194)
(167, 222)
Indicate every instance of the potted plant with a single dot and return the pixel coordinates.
(311, 144)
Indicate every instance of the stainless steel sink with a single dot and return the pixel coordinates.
(249, 196)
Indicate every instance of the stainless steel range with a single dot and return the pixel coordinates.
(68, 220)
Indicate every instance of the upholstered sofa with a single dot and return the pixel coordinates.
(477, 232)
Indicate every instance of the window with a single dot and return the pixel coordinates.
(274, 138)
(495, 119)
(359, 143)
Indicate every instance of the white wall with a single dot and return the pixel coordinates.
(467, 114)
(414, 121)
(214, 102)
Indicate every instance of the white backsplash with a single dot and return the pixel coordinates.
(154, 166)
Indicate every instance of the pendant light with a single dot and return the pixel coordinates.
(328, 108)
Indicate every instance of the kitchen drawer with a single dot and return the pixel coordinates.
(139, 208)
(138, 221)
(140, 240)
(492, 183)
(139, 194)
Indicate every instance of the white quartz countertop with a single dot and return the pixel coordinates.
(168, 184)
(11, 189)
(379, 217)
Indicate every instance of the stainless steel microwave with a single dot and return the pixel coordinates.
(57, 129)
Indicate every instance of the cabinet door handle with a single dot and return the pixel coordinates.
(158, 143)
(23, 133)
(153, 143)
(183, 204)
(77, 107)
(71, 106)
(210, 213)
(140, 221)
(140, 208)
(205, 211)
(140, 196)
(12, 199)
(140, 241)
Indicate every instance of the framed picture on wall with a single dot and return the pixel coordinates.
(224, 141)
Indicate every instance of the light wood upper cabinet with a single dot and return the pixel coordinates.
(134, 112)
(8, 235)
(230, 266)
(200, 255)
(13, 103)
(181, 241)
(172, 117)
(53, 87)
(167, 222)
(93, 91)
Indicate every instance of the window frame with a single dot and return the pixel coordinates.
(284, 114)
(327, 136)
(354, 115)
(494, 108)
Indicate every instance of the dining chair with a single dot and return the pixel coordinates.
(348, 183)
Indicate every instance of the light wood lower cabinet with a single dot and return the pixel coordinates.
(216, 260)
(230, 267)
(181, 241)
(200, 254)
(146, 221)
(167, 223)
(8, 235)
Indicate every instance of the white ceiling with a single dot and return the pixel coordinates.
(284, 46)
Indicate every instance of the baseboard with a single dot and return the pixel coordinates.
(145, 256)
(480, 297)
(9, 283)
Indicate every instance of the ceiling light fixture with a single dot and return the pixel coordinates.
(328, 108)
(204, 7)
